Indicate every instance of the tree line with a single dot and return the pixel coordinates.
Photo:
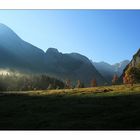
(79, 84)
(10, 82)
(131, 76)
(21, 82)
(24, 82)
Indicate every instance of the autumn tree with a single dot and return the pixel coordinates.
(132, 75)
(68, 84)
(93, 83)
(80, 84)
(115, 79)
(125, 80)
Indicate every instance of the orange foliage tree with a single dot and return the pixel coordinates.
(93, 83)
(132, 75)
(115, 79)
(80, 84)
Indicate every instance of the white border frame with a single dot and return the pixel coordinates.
(69, 4)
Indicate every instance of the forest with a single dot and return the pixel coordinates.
(22, 82)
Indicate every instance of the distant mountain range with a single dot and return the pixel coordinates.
(22, 56)
(108, 70)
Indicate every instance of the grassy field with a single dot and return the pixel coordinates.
(101, 108)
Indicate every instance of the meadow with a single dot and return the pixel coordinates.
(98, 108)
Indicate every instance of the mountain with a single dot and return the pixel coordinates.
(71, 66)
(108, 71)
(105, 69)
(17, 54)
(119, 67)
(135, 62)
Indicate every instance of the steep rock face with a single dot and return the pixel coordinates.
(135, 62)
(20, 55)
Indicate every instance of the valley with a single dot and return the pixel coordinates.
(51, 90)
(100, 108)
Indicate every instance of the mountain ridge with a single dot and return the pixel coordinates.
(18, 54)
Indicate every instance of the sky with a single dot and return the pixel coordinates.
(101, 35)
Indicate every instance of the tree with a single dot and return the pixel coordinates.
(115, 79)
(132, 75)
(93, 83)
(125, 80)
(50, 87)
(80, 84)
(68, 84)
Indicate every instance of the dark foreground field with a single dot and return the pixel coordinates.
(81, 109)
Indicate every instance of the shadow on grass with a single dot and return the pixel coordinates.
(63, 112)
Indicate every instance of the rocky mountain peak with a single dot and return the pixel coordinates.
(52, 50)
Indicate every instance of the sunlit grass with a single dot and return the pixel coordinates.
(102, 91)
(92, 90)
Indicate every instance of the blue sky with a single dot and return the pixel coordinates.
(101, 35)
